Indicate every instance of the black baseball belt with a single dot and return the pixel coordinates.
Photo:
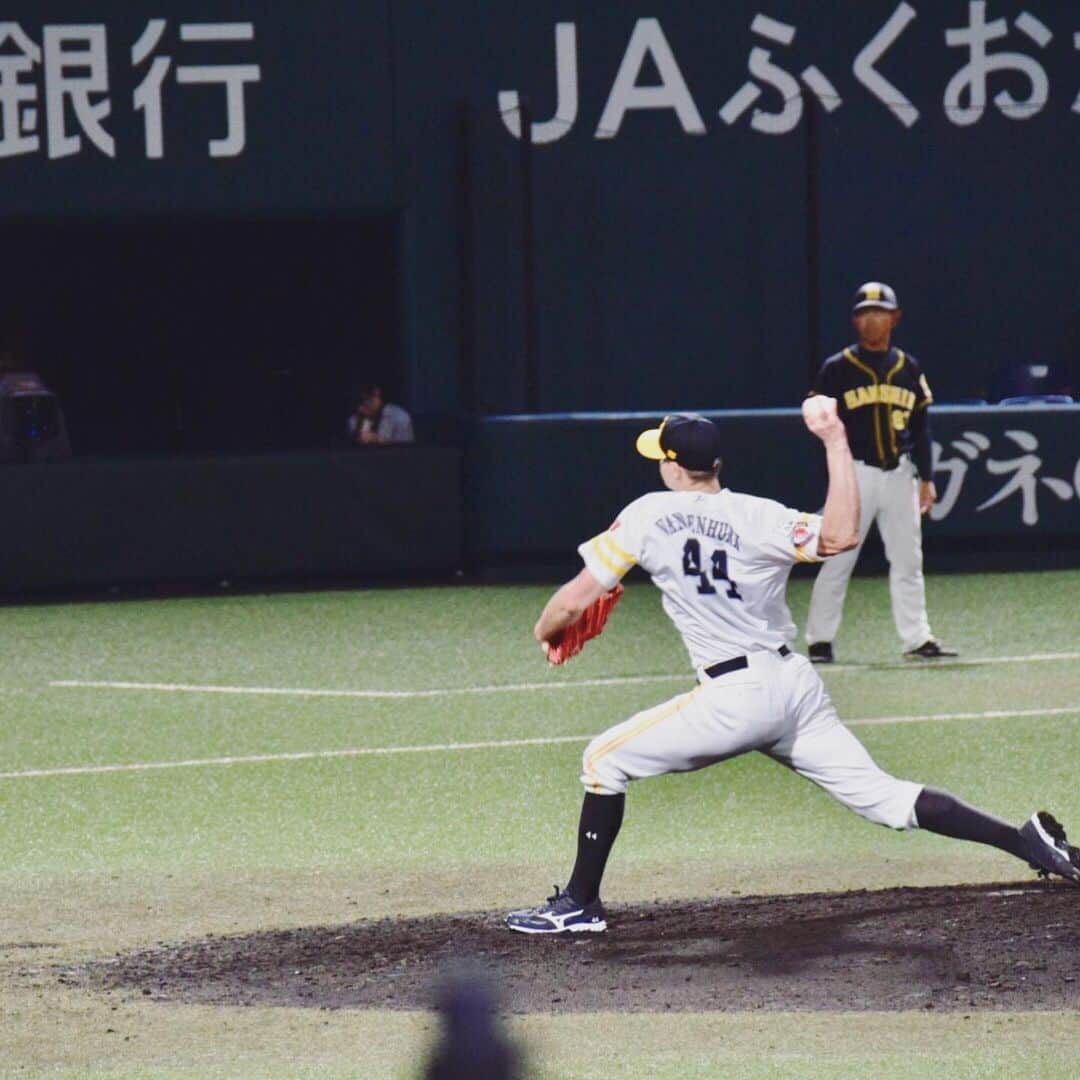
(884, 466)
(736, 663)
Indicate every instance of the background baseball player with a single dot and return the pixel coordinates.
(722, 560)
(883, 399)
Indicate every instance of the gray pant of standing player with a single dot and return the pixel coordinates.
(892, 500)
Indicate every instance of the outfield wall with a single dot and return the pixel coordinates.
(539, 485)
(297, 516)
(528, 489)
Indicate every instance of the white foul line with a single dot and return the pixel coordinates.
(284, 691)
(992, 714)
(303, 755)
(614, 680)
(960, 661)
(552, 740)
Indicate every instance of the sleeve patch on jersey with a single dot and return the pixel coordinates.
(801, 534)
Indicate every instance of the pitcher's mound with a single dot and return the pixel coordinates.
(1011, 946)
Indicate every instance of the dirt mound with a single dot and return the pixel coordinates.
(974, 947)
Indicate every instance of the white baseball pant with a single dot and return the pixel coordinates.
(892, 500)
(777, 705)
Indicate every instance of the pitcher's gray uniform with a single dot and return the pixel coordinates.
(722, 562)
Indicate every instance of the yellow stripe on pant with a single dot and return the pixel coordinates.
(646, 723)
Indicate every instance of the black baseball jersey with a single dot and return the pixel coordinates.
(882, 398)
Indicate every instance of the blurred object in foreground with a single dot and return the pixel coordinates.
(471, 1044)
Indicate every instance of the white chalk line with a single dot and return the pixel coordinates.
(959, 661)
(499, 744)
(504, 688)
(990, 714)
(302, 755)
(315, 692)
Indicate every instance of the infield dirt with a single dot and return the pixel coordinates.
(980, 947)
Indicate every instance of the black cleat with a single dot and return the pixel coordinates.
(560, 915)
(1048, 848)
(930, 650)
(821, 652)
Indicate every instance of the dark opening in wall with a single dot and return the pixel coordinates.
(204, 335)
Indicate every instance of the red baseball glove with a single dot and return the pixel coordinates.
(571, 641)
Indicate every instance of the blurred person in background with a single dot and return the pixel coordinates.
(1072, 355)
(377, 421)
(1030, 379)
(32, 426)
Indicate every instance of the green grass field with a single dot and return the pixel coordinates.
(133, 815)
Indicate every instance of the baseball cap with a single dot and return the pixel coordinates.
(690, 441)
(875, 294)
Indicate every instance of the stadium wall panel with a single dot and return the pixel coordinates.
(362, 514)
(540, 485)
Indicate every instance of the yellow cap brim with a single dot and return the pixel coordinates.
(648, 445)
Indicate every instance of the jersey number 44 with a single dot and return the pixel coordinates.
(693, 567)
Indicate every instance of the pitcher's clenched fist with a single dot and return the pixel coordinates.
(822, 419)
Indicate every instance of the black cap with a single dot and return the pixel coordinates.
(875, 294)
(690, 441)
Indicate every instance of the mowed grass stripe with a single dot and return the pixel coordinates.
(498, 744)
(503, 688)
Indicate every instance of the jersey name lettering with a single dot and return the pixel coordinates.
(720, 531)
(873, 395)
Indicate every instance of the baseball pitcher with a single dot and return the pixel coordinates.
(721, 561)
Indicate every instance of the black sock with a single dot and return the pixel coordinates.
(939, 812)
(601, 817)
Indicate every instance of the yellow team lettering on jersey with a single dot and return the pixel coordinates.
(881, 394)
